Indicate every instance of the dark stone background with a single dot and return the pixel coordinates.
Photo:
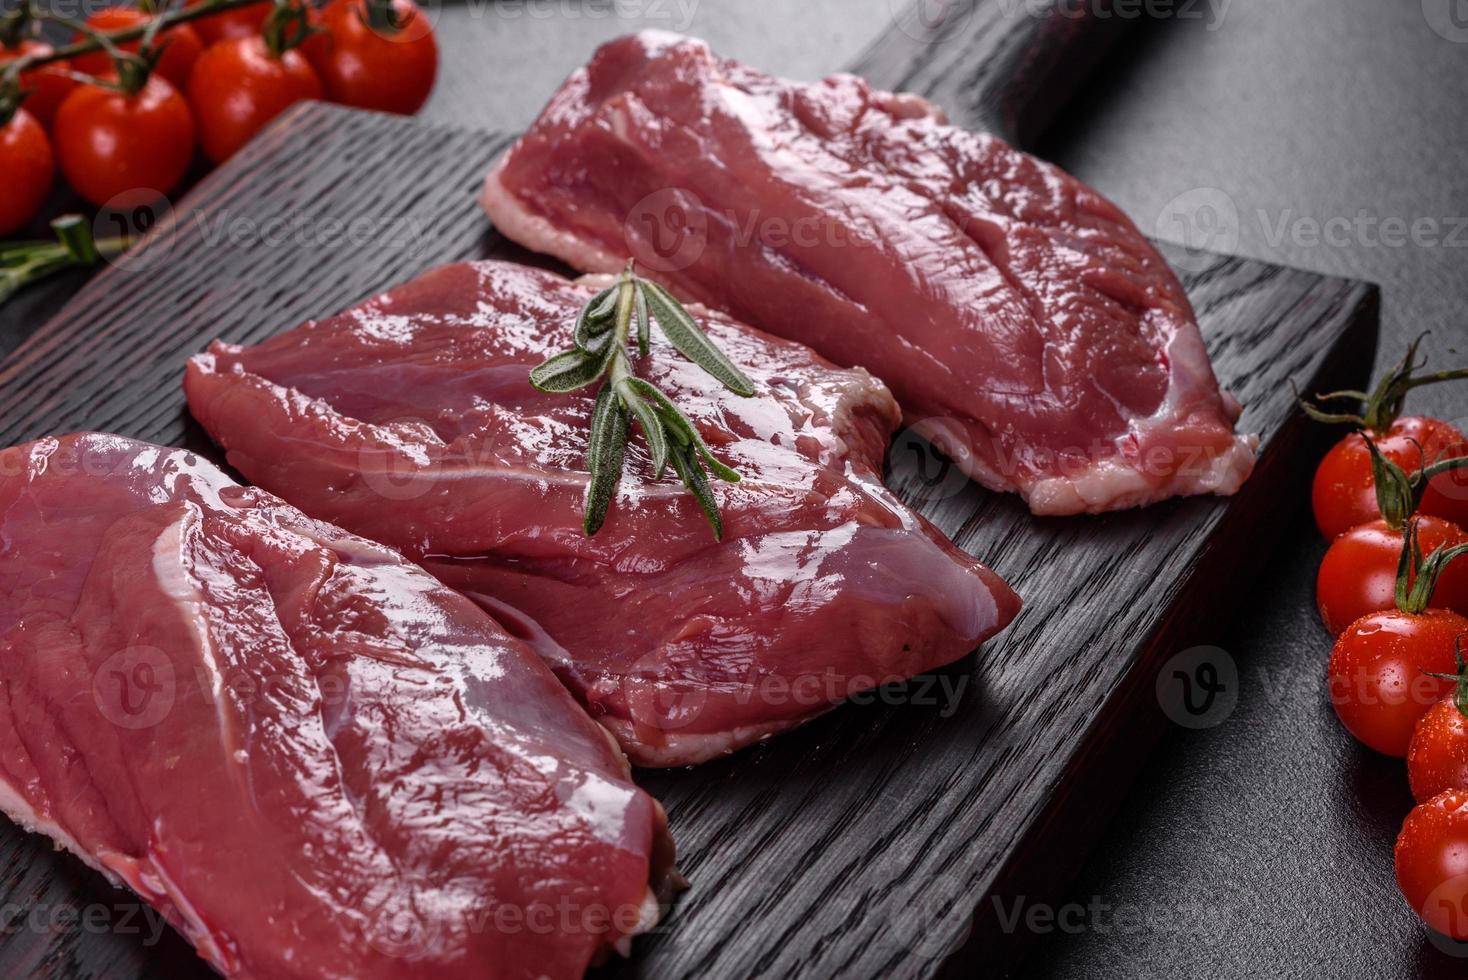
(1261, 847)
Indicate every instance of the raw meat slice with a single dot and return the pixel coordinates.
(411, 420)
(1023, 322)
(314, 758)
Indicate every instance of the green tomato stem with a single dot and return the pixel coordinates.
(100, 40)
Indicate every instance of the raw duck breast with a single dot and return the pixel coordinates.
(411, 420)
(314, 758)
(1023, 322)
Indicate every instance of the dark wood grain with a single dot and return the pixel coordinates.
(863, 842)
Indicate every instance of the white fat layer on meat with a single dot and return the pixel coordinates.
(518, 224)
(24, 815)
(208, 944)
(1111, 484)
(691, 749)
(1115, 483)
(648, 915)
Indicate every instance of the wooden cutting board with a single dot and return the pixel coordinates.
(893, 837)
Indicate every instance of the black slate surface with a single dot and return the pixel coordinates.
(1316, 108)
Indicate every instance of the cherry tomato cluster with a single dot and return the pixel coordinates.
(128, 117)
(1392, 500)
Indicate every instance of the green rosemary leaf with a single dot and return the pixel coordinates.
(719, 469)
(602, 332)
(685, 462)
(604, 303)
(595, 321)
(609, 428)
(678, 424)
(644, 329)
(568, 371)
(680, 428)
(684, 333)
(651, 422)
(603, 426)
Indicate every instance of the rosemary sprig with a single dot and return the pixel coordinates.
(22, 263)
(603, 330)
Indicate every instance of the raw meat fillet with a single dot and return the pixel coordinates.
(411, 420)
(313, 757)
(1023, 322)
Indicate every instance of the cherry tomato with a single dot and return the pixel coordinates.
(374, 69)
(1359, 572)
(25, 160)
(177, 61)
(1344, 492)
(317, 45)
(46, 86)
(240, 22)
(1437, 759)
(1432, 862)
(1378, 673)
(109, 142)
(239, 86)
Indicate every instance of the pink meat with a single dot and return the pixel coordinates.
(1023, 322)
(411, 420)
(315, 759)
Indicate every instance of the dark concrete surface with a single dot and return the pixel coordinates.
(1327, 134)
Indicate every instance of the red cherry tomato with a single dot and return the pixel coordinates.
(374, 69)
(177, 61)
(25, 160)
(1344, 492)
(109, 142)
(240, 22)
(1432, 862)
(1437, 759)
(45, 87)
(238, 86)
(1359, 572)
(1378, 673)
(317, 44)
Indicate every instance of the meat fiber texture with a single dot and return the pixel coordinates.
(1025, 325)
(314, 758)
(411, 420)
